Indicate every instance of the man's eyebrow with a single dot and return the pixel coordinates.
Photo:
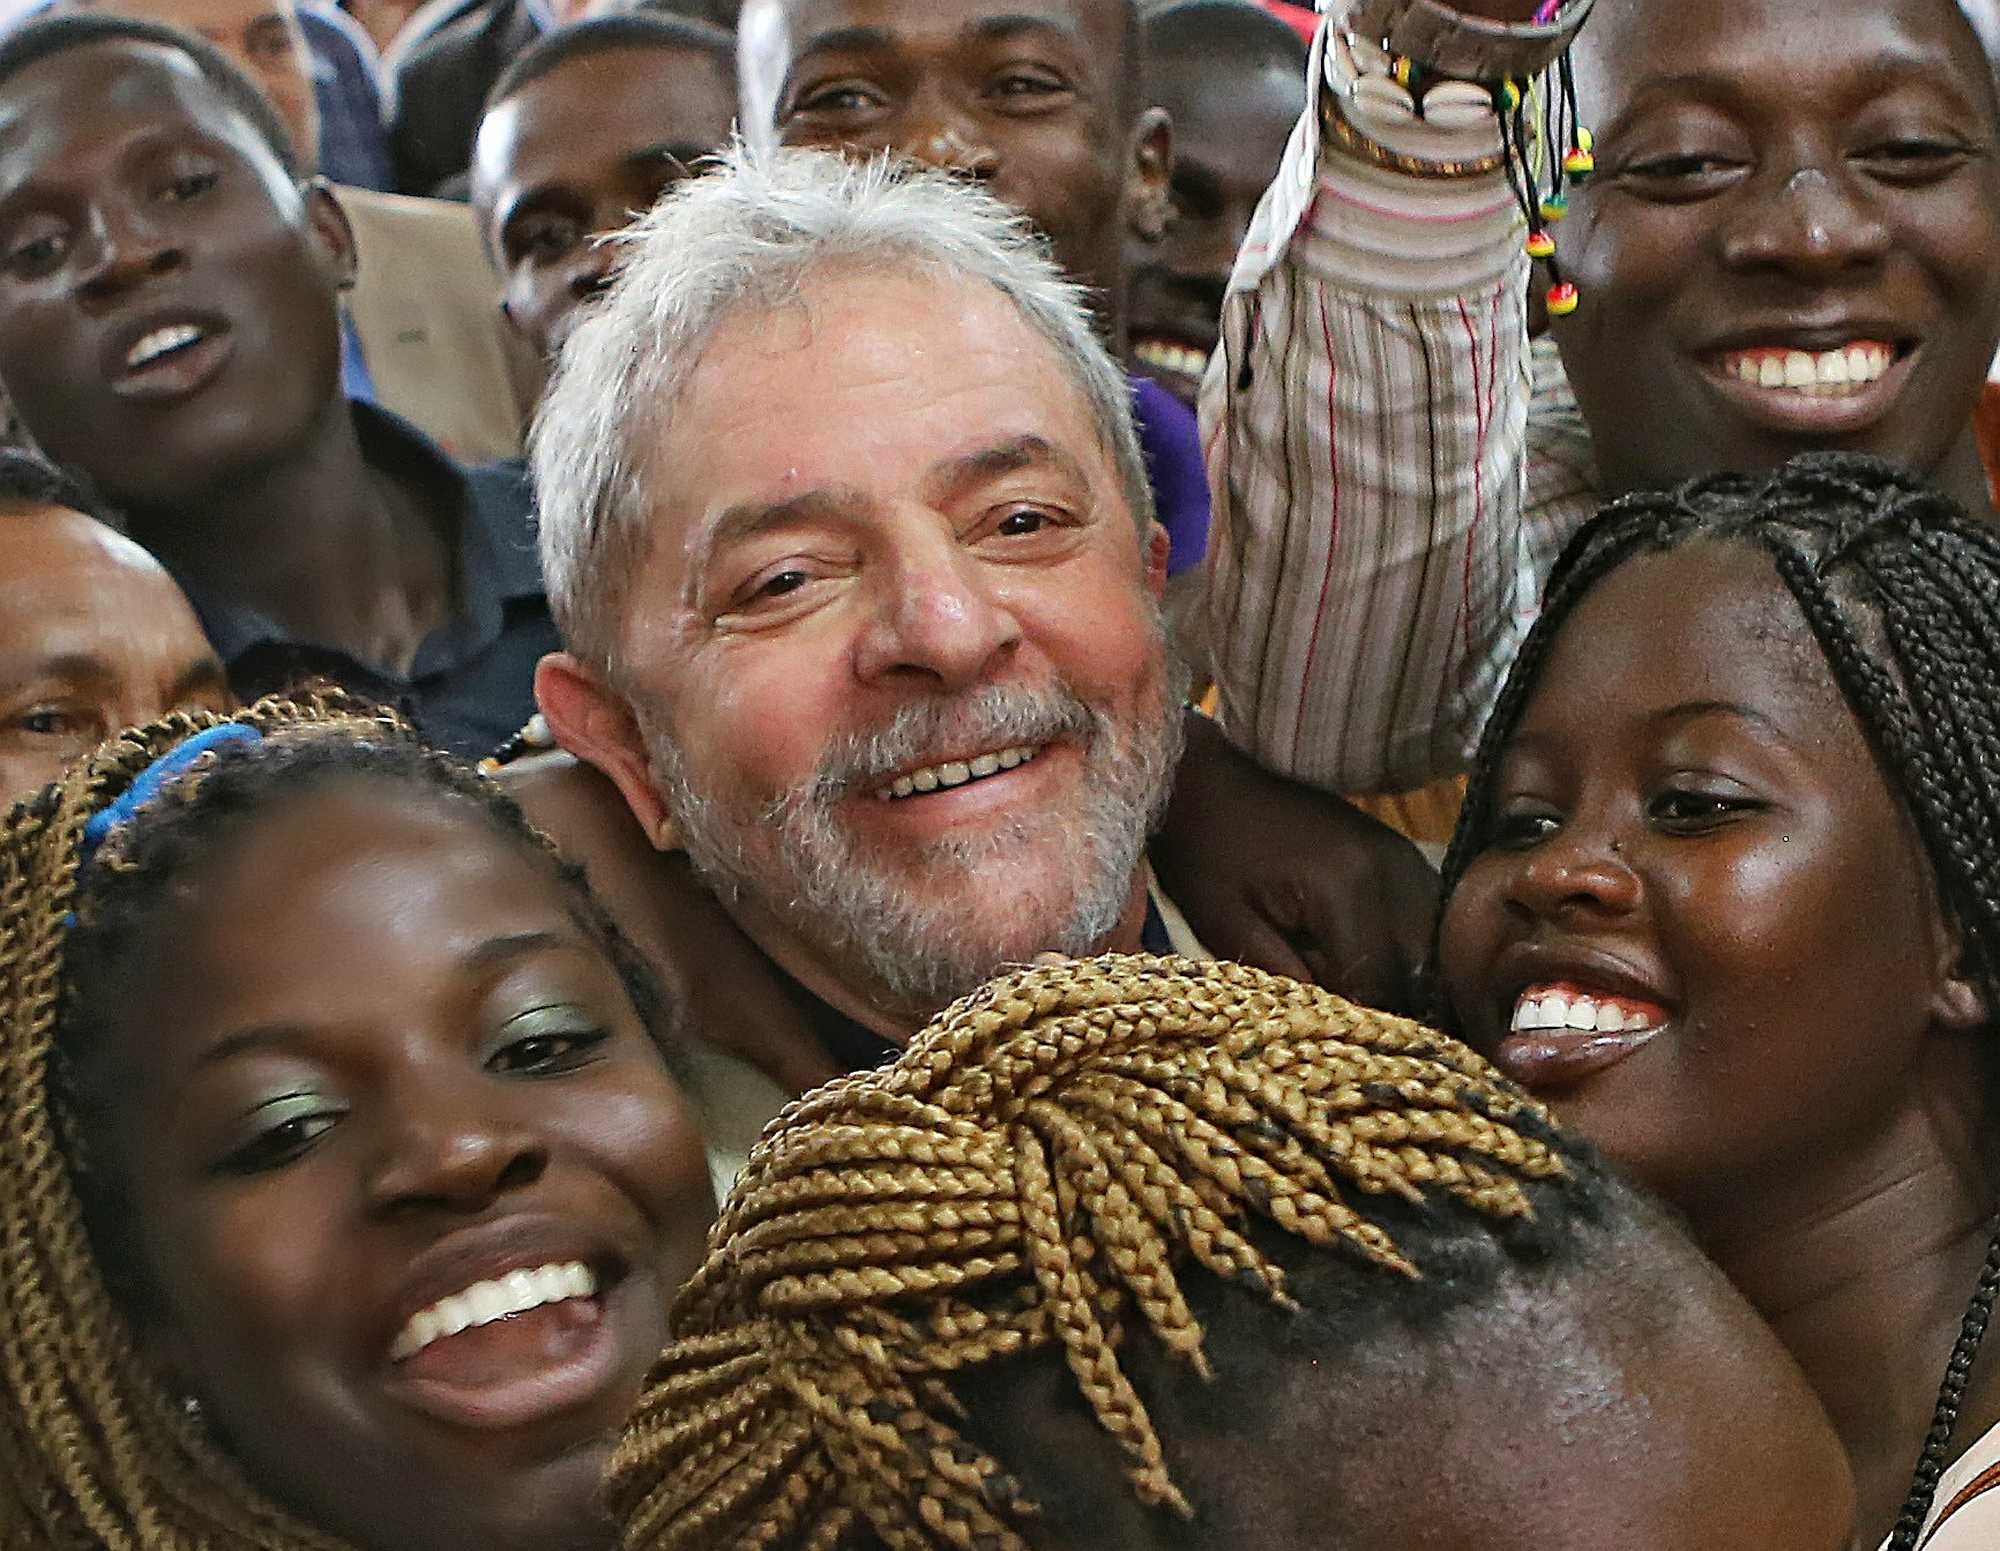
(842, 40)
(198, 677)
(1000, 29)
(747, 519)
(68, 667)
(1006, 457)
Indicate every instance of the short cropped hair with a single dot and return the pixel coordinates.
(27, 478)
(750, 237)
(605, 34)
(47, 36)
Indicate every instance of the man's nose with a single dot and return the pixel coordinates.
(1817, 224)
(936, 618)
(126, 251)
(935, 135)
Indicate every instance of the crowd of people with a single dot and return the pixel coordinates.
(1009, 774)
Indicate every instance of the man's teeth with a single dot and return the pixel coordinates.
(1823, 373)
(1539, 1008)
(1167, 356)
(160, 342)
(484, 1302)
(955, 772)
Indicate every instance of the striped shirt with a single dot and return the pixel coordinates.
(1384, 507)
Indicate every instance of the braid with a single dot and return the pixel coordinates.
(1901, 590)
(94, 1451)
(1032, 1176)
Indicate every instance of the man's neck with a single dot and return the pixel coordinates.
(1866, 1280)
(331, 549)
(869, 1004)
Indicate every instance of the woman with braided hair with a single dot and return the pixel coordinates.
(342, 1181)
(1137, 1253)
(1726, 893)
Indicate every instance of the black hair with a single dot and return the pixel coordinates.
(1209, 27)
(605, 34)
(154, 864)
(27, 478)
(1901, 590)
(47, 36)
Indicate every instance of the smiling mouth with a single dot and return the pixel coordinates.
(156, 346)
(957, 772)
(1846, 371)
(1562, 1032)
(484, 1302)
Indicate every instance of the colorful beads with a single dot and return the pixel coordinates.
(1555, 207)
(1540, 244)
(1585, 140)
(1562, 300)
(1579, 164)
(1510, 96)
(1407, 73)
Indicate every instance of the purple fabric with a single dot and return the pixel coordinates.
(1172, 443)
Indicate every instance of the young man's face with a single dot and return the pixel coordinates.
(168, 296)
(1031, 99)
(1789, 241)
(574, 155)
(94, 636)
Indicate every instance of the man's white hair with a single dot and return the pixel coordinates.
(750, 235)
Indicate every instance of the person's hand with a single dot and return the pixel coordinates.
(1275, 874)
(720, 987)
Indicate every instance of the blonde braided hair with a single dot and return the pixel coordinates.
(94, 1451)
(1027, 1177)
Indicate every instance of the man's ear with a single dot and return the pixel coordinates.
(331, 226)
(594, 722)
(1157, 547)
(1149, 177)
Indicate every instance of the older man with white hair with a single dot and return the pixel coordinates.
(847, 530)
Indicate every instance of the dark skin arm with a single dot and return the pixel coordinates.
(722, 987)
(1292, 880)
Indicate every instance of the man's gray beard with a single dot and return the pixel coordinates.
(897, 949)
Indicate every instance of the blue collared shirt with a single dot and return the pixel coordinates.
(472, 683)
(353, 137)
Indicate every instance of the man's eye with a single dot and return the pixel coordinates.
(36, 255)
(1022, 522)
(1915, 160)
(1685, 168)
(1026, 83)
(837, 99)
(545, 240)
(55, 722)
(189, 185)
(548, 1052)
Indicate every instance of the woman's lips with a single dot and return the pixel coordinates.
(1562, 1032)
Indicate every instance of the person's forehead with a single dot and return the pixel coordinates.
(1706, 620)
(224, 20)
(609, 104)
(1624, 48)
(89, 92)
(1217, 98)
(60, 567)
(929, 23)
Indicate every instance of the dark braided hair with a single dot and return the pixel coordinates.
(94, 1452)
(1901, 590)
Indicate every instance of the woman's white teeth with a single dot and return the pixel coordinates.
(956, 772)
(1820, 373)
(484, 1302)
(159, 342)
(1600, 1014)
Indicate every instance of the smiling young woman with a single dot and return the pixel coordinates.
(1726, 893)
(343, 1178)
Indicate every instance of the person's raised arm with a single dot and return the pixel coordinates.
(1372, 564)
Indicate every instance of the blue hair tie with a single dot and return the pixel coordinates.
(149, 782)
